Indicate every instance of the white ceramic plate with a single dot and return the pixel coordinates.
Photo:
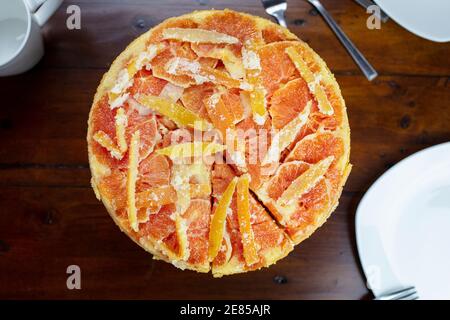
(429, 19)
(403, 226)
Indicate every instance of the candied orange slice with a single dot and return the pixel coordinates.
(156, 196)
(200, 190)
(191, 149)
(133, 159)
(233, 64)
(258, 94)
(221, 116)
(312, 80)
(217, 226)
(200, 73)
(198, 36)
(172, 92)
(283, 138)
(106, 142)
(288, 101)
(174, 111)
(121, 124)
(305, 182)
(248, 241)
(181, 229)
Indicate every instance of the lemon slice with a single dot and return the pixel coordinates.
(218, 220)
(174, 111)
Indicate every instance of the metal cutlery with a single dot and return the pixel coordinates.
(357, 56)
(276, 8)
(409, 293)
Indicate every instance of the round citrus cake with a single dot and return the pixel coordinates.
(218, 141)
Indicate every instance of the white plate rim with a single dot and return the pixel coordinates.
(410, 27)
(359, 215)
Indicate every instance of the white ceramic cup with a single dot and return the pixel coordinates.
(21, 43)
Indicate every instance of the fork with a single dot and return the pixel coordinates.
(357, 56)
(409, 293)
(276, 8)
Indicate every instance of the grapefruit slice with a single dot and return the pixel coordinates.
(288, 101)
(194, 96)
(286, 136)
(276, 66)
(156, 196)
(197, 219)
(221, 116)
(305, 182)
(106, 142)
(198, 36)
(318, 146)
(154, 171)
(229, 56)
(146, 83)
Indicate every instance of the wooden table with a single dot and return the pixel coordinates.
(50, 218)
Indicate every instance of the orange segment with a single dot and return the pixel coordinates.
(221, 116)
(288, 101)
(193, 97)
(174, 112)
(248, 241)
(133, 161)
(197, 218)
(106, 142)
(198, 36)
(218, 220)
(146, 83)
(283, 138)
(284, 177)
(229, 57)
(316, 147)
(305, 182)
(154, 170)
(200, 73)
(276, 66)
(191, 149)
(156, 196)
(312, 80)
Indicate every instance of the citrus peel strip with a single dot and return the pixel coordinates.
(174, 111)
(133, 162)
(243, 210)
(198, 36)
(312, 81)
(218, 220)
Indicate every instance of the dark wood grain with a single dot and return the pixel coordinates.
(50, 219)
